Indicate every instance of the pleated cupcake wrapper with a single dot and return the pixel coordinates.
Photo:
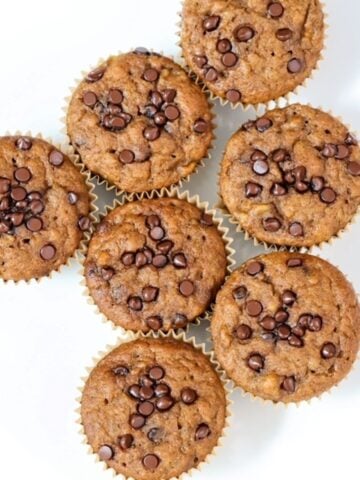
(67, 150)
(165, 193)
(102, 181)
(128, 337)
(279, 102)
(281, 248)
(280, 404)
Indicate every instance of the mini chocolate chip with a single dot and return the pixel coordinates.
(145, 408)
(180, 321)
(240, 292)
(283, 332)
(328, 350)
(156, 373)
(169, 95)
(296, 229)
(260, 167)
(4, 185)
(186, 288)
(350, 140)
(161, 390)
(165, 246)
(160, 261)
(125, 441)
(179, 260)
(115, 96)
(151, 133)
(5, 204)
(253, 268)
(281, 316)
(48, 252)
(211, 74)
(268, 336)
(126, 156)
(258, 155)
(154, 322)
(134, 391)
(156, 98)
(150, 293)
(295, 65)
(229, 59)
(284, 34)
(233, 95)
(294, 262)
(271, 224)
(115, 110)
(202, 431)
(34, 224)
(135, 303)
(141, 51)
(304, 320)
(256, 362)
(288, 384)
(157, 233)
(278, 190)
(329, 150)
(152, 221)
(34, 196)
(22, 174)
(315, 323)
(17, 219)
(23, 143)
(288, 297)
(298, 331)
(18, 193)
(244, 33)
(105, 453)
(149, 254)
(268, 323)
(201, 126)
(155, 435)
(275, 9)
(263, 124)
(90, 99)
(211, 23)
(128, 258)
(121, 371)
(164, 403)
(172, 112)
(160, 119)
(4, 227)
(56, 158)
(96, 75)
(206, 219)
(301, 187)
(72, 198)
(254, 308)
(200, 60)
(327, 195)
(252, 189)
(317, 184)
(137, 421)
(149, 111)
(300, 173)
(223, 45)
(342, 152)
(354, 168)
(151, 461)
(151, 75)
(295, 341)
(188, 395)
(84, 223)
(146, 391)
(289, 178)
(243, 332)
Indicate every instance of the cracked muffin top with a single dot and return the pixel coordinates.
(286, 326)
(252, 51)
(292, 177)
(139, 122)
(155, 264)
(44, 208)
(153, 408)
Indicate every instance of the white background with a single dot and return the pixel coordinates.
(48, 333)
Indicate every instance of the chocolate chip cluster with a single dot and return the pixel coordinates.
(152, 395)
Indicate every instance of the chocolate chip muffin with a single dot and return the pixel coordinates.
(153, 408)
(139, 122)
(286, 326)
(44, 208)
(252, 51)
(155, 264)
(292, 177)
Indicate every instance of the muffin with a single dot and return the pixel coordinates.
(286, 326)
(139, 122)
(252, 51)
(153, 408)
(155, 264)
(291, 177)
(44, 208)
